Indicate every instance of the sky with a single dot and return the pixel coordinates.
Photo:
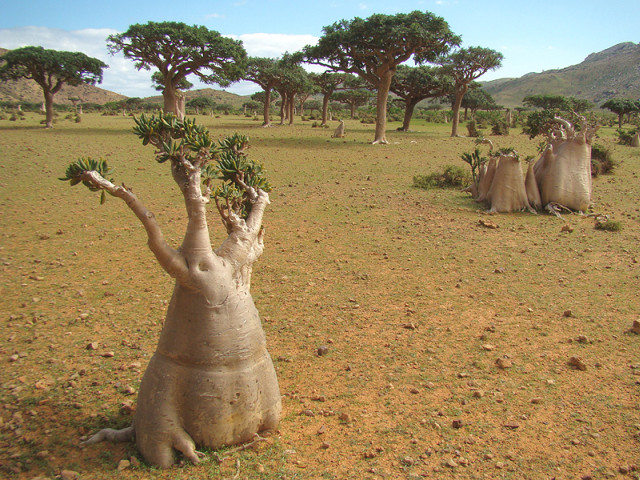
(533, 36)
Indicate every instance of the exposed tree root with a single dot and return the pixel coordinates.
(245, 446)
(127, 434)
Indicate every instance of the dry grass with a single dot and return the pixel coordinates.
(413, 297)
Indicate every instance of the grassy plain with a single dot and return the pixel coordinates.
(413, 297)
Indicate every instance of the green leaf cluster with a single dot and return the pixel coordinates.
(76, 170)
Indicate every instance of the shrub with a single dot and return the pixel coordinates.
(368, 120)
(602, 161)
(499, 127)
(13, 117)
(472, 129)
(608, 225)
(625, 137)
(452, 177)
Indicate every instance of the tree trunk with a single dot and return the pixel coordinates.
(620, 119)
(456, 113)
(266, 118)
(48, 108)
(409, 107)
(352, 105)
(170, 100)
(325, 109)
(381, 107)
(211, 381)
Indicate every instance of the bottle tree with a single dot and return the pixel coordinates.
(211, 381)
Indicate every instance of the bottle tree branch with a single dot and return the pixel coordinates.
(170, 260)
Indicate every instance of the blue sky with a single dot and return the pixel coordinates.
(532, 36)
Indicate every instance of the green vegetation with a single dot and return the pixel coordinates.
(452, 176)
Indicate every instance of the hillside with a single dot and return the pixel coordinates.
(614, 72)
(218, 96)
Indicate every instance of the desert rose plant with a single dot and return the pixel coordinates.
(211, 381)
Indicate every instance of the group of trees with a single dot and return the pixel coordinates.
(359, 55)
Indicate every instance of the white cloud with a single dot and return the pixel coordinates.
(121, 76)
(214, 15)
(273, 45)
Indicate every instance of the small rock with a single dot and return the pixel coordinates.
(511, 425)
(325, 445)
(92, 346)
(487, 224)
(567, 228)
(321, 430)
(345, 417)
(577, 363)
(478, 394)
(408, 461)
(635, 328)
(69, 475)
(488, 347)
(451, 463)
(307, 413)
(123, 465)
(500, 270)
(128, 390)
(323, 350)
(582, 339)
(107, 354)
(414, 390)
(457, 423)
(14, 357)
(536, 400)
(567, 314)
(503, 363)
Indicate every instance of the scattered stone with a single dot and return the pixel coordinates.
(409, 326)
(567, 228)
(128, 390)
(487, 224)
(577, 363)
(307, 413)
(408, 461)
(635, 328)
(536, 400)
(321, 430)
(345, 417)
(325, 445)
(478, 394)
(488, 347)
(92, 346)
(500, 270)
(511, 425)
(503, 363)
(108, 355)
(14, 357)
(450, 463)
(323, 350)
(414, 390)
(582, 339)
(123, 465)
(567, 314)
(69, 475)
(457, 423)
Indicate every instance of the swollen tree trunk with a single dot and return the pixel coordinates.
(563, 173)
(169, 96)
(211, 381)
(635, 142)
(507, 192)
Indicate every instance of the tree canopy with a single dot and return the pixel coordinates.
(414, 84)
(51, 69)
(466, 65)
(178, 50)
(372, 48)
(621, 107)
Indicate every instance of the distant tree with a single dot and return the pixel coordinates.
(621, 107)
(374, 47)
(51, 69)
(327, 83)
(178, 50)
(201, 103)
(293, 80)
(466, 65)
(414, 84)
(557, 102)
(252, 105)
(353, 98)
(264, 72)
(477, 99)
